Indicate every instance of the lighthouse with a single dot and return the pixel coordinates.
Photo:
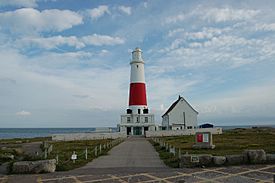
(137, 119)
(137, 92)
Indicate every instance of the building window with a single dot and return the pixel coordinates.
(137, 119)
(146, 119)
(128, 119)
(138, 111)
(189, 127)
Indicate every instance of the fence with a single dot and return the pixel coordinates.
(168, 147)
(77, 154)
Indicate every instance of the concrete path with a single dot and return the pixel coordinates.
(133, 152)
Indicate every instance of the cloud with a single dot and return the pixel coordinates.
(265, 27)
(240, 103)
(174, 19)
(19, 3)
(99, 40)
(72, 41)
(23, 113)
(29, 20)
(51, 42)
(226, 14)
(125, 9)
(98, 12)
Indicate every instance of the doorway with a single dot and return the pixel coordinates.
(128, 130)
(137, 130)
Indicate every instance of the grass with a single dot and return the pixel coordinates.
(168, 158)
(24, 140)
(64, 150)
(230, 142)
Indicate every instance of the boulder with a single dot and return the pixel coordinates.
(256, 156)
(219, 160)
(42, 166)
(205, 159)
(189, 160)
(270, 158)
(236, 159)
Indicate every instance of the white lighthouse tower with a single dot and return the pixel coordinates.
(137, 119)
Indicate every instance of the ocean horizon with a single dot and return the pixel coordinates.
(9, 133)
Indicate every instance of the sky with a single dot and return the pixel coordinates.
(65, 63)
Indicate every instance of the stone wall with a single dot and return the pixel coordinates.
(165, 133)
(257, 156)
(87, 136)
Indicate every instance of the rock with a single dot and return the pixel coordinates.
(256, 156)
(235, 159)
(189, 160)
(270, 158)
(219, 160)
(42, 166)
(6, 157)
(4, 168)
(205, 159)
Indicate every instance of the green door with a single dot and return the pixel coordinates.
(137, 130)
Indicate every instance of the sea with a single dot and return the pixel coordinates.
(9, 133)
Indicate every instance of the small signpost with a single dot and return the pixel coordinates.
(204, 141)
(74, 157)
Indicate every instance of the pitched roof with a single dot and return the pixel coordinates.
(174, 105)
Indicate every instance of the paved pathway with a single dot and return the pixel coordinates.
(133, 152)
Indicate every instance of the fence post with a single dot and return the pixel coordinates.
(56, 159)
(86, 153)
(95, 151)
(99, 148)
(179, 153)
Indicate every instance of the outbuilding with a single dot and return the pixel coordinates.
(180, 115)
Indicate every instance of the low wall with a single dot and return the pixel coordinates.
(165, 133)
(87, 136)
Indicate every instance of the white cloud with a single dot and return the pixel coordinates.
(174, 19)
(98, 12)
(23, 113)
(175, 32)
(52, 42)
(125, 9)
(73, 41)
(99, 40)
(29, 20)
(226, 14)
(265, 27)
(252, 101)
(18, 3)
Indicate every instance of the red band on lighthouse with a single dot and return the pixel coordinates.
(137, 94)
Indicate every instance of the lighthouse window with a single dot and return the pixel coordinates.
(137, 66)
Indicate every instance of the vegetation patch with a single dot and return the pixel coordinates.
(168, 158)
(230, 142)
(64, 151)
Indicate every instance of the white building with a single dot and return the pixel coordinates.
(180, 115)
(137, 119)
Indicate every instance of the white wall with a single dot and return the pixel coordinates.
(176, 115)
(87, 136)
(166, 133)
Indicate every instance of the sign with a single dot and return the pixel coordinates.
(74, 157)
(195, 159)
(205, 137)
(203, 141)
(199, 137)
